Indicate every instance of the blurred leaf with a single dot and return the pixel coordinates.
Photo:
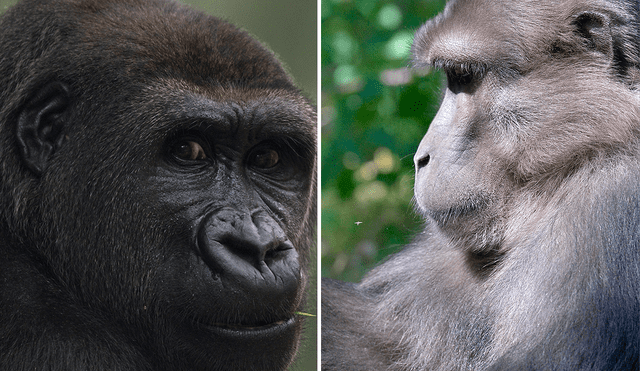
(375, 112)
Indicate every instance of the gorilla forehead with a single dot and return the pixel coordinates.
(264, 112)
(170, 40)
(134, 40)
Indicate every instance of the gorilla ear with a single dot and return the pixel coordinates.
(40, 123)
(595, 29)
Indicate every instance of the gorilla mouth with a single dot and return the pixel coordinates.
(253, 331)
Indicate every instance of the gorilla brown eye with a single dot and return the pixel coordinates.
(188, 150)
(265, 158)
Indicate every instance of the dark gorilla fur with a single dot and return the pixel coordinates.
(529, 181)
(157, 174)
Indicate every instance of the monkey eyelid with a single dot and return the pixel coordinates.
(477, 70)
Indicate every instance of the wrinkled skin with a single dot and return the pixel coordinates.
(527, 179)
(158, 189)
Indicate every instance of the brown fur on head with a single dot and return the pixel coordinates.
(118, 47)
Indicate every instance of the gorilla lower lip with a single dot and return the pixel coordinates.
(271, 329)
(248, 328)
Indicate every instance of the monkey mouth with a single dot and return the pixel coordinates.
(253, 331)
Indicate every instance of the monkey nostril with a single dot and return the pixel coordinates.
(424, 161)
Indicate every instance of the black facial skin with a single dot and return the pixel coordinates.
(527, 180)
(157, 168)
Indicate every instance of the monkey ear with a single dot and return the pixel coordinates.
(40, 122)
(595, 29)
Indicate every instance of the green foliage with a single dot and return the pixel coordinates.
(375, 110)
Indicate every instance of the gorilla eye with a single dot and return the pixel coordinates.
(264, 158)
(188, 150)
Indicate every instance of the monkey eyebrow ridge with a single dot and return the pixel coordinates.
(464, 67)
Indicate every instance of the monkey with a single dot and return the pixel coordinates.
(527, 181)
(158, 190)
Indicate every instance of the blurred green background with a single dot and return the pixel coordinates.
(375, 111)
(289, 28)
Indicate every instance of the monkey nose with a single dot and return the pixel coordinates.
(422, 161)
(424, 153)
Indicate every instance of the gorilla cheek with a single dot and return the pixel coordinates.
(252, 257)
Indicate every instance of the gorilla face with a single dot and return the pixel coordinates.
(236, 178)
(164, 189)
(203, 231)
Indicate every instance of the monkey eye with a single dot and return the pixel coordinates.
(189, 150)
(459, 78)
(264, 158)
(462, 78)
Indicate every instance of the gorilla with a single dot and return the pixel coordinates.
(157, 174)
(528, 179)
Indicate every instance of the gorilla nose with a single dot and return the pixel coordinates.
(252, 237)
(251, 252)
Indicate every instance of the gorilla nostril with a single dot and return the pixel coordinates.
(424, 161)
(278, 251)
